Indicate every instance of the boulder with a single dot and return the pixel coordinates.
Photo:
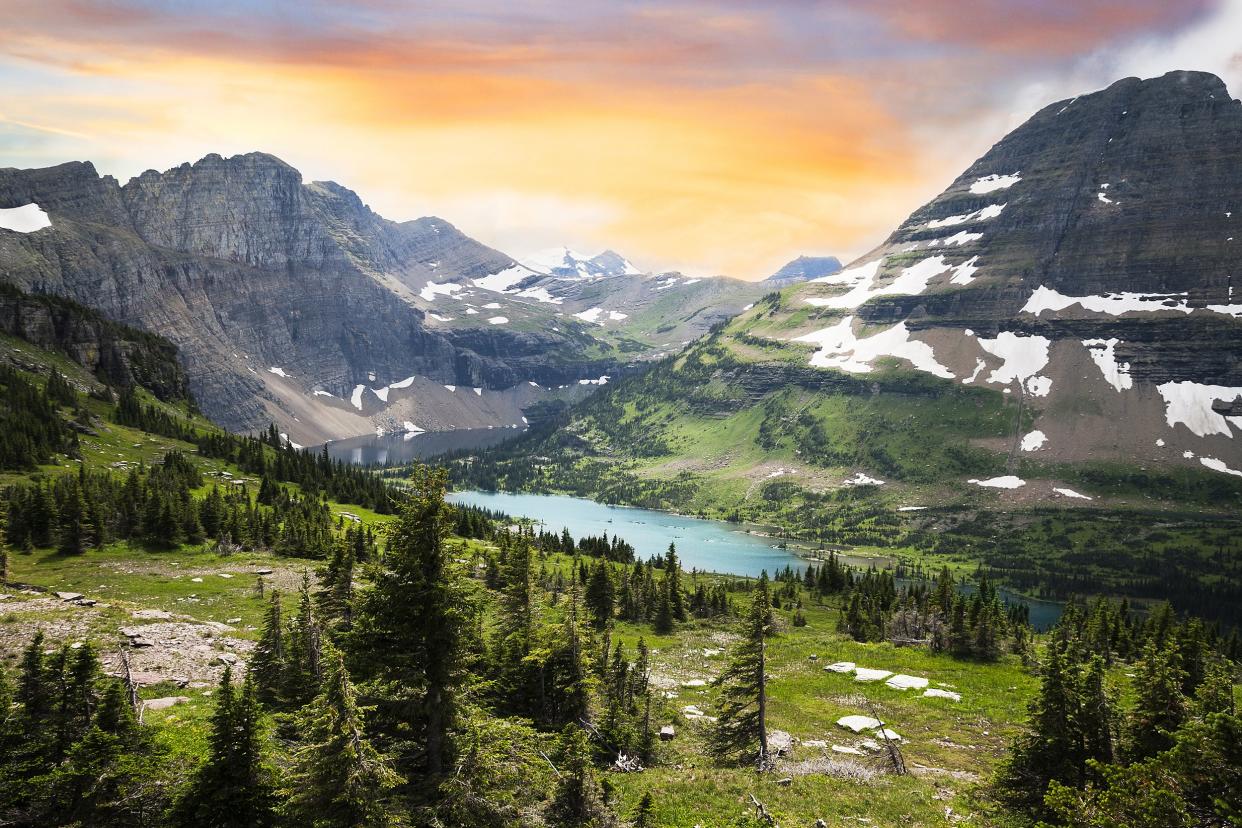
(164, 703)
(667, 733)
(68, 596)
(858, 723)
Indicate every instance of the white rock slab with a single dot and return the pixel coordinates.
(904, 682)
(868, 674)
(858, 723)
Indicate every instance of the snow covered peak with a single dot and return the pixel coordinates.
(567, 263)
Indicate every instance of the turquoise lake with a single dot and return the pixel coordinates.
(707, 545)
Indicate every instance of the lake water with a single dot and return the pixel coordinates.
(701, 544)
(394, 449)
(707, 545)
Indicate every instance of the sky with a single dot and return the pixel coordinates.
(720, 137)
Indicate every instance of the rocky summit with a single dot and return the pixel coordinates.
(293, 302)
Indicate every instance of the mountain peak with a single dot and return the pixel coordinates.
(804, 268)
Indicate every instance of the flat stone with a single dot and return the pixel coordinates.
(197, 580)
(68, 596)
(841, 667)
(694, 683)
(667, 733)
(904, 682)
(852, 751)
(151, 614)
(786, 781)
(936, 693)
(226, 658)
(868, 674)
(858, 723)
(892, 736)
(164, 703)
(814, 743)
(264, 571)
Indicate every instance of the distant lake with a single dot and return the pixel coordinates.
(395, 449)
(707, 545)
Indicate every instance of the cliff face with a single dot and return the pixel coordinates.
(119, 355)
(1087, 264)
(247, 269)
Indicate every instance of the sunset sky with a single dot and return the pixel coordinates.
(721, 137)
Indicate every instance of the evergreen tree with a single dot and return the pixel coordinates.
(409, 627)
(233, 788)
(1160, 707)
(600, 594)
(303, 670)
(267, 664)
(578, 801)
(740, 731)
(672, 578)
(338, 779)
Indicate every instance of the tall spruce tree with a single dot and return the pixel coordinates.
(672, 576)
(233, 788)
(740, 732)
(409, 627)
(338, 779)
(268, 663)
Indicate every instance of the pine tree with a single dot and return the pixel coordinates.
(672, 578)
(665, 614)
(1160, 707)
(268, 664)
(302, 667)
(233, 789)
(644, 814)
(1046, 751)
(338, 778)
(409, 627)
(741, 729)
(600, 597)
(578, 801)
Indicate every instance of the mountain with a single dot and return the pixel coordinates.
(565, 263)
(1080, 275)
(1057, 333)
(293, 302)
(804, 268)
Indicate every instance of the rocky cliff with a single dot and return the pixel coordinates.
(119, 355)
(273, 289)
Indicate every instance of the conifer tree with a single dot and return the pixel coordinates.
(644, 814)
(268, 662)
(1160, 707)
(672, 577)
(578, 801)
(409, 627)
(600, 594)
(233, 788)
(338, 778)
(741, 729)
(303, 670)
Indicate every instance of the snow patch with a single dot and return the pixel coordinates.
(498, 320)
(1113, 304)
(617, 317)
(29, 218)
(409, 426)
(503, 280)
(1024, 357)
(601, 381)
(958, 239)
(964, 273)
(1219, 465)
(1034, 441)
(431, 290)
(1116, 373)
(540, 294)
(839, 348)
(994, 182)
(1190, 403)
(861, 479)
(982, 214)
(440, 318)
(356, 397)
(1072, 493)
(277, 371)
(382, 393)
(451, 387)
(591, 315)
(319, 392)
(912, 281)
(1007, 481)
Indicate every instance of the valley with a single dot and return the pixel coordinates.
(313, 518)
